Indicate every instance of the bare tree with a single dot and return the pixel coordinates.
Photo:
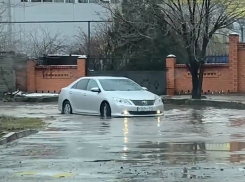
(41, 42)
(98, 43)
(6, 46)
(139, 40)
(195, 21)
(105, 41)
(4, 34)
(99, 46)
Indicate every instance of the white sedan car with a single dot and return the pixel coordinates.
(109, 96)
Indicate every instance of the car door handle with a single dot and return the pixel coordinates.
(84, 94)
(70, 92)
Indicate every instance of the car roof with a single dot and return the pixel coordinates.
(104, 77)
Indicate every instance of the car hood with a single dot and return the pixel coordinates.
(134, 95)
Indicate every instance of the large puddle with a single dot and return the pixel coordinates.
(197, 144)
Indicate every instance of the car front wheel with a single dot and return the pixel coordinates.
(105, 110)
(67, 109)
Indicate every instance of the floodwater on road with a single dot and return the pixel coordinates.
(208, 143)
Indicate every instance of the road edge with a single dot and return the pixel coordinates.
(205, 103)
(34, 99)
(16, 135)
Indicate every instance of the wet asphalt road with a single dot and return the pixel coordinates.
(208, 142)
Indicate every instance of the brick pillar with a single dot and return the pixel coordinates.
(233, 61)
(170, 75)
(31, 76)
(81, 66)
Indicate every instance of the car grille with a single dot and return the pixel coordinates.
(142, 112)
(141, 102)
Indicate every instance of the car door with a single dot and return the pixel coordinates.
(92, 99)
(76, 96)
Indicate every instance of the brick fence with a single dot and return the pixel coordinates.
(52, 78)
(218, 77)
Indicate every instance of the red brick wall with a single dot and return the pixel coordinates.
(217, 77)
(52, 78)
(241, 68)
(31, 76)
(170, 75)
(233, 61)
(225, 78)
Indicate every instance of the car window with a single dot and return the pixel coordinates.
(74, 86)
(92, 84)
(119, 85)
(82, 84)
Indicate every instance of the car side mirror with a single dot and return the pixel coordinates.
(95, 89)
(144, 88)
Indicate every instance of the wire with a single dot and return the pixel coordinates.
(82, 21)
(28, 22)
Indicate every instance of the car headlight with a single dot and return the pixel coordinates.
(158, 100)
(122, 101)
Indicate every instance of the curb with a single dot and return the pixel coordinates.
(205, 103)
(36, 99)
(16, 135)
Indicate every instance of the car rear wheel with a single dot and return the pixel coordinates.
(67, 109)
(105, 110)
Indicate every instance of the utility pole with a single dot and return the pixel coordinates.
(242, 33)
(88, 48)
(89, 39)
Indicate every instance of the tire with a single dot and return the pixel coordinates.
(66, 108)
(105, 110)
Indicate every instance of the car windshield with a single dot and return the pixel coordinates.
(119, 85)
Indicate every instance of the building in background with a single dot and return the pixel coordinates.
(54, 10)
(77, 10)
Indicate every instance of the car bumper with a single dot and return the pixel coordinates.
(132, 111)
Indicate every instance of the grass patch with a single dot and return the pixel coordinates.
(11, 124)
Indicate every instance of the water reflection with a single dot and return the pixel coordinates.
(237, 156)
(104, 126)
(172, 153)
(125, 130)
(158, 121)
(182, 152)
(148, 139)
(125, 134)
(238, 122)
(179, 152)
(196, 116)
(197, 120)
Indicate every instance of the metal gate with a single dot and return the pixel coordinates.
(154, 81)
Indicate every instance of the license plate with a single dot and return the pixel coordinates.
(144, 109)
